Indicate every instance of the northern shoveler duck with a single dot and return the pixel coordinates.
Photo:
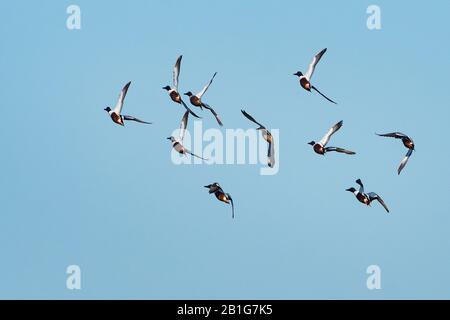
(266, 136)
(320, 147)
(366, 198)
(173, 92)
(177, 143)
(407, 142)
(116, 115)
(196, 100)
(305, 79)
(221, 195)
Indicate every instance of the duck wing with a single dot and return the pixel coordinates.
(314, 62)
(201, 93)
(183, 125)
(317, 90)
(340, 150)
(213, 112)
(404, 161)
(373, 196)
(330, 132)
(194, 155)
(130, 118)
(249, 117)
(271, 154)
(396, 135)
(361, 186)
(123, 93)
(232, 204)
(176, 72)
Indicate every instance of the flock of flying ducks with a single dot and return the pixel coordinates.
(318, 147)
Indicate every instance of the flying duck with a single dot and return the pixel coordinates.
(366, 198)
(407, 142)
(196, 100)
(320, 147)
(266, 136)
(221, 195)
(177, 143)
(116, 115)
(173, 92)
(305, 79)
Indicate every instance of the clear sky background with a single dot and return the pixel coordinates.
(78, 189)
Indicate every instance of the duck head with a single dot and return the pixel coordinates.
(312, 143)
(189, 94)
(213, 188)
(298, 74)
(352, 190)
(167, 88)
(213, 185)
(107, 109)
(171, 139)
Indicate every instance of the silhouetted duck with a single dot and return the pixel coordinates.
(407, 142)
(116, 115)
(221, 195)
(305, 79)
(320, 147)
(366, 198)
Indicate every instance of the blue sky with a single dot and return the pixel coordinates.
(78, 189)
